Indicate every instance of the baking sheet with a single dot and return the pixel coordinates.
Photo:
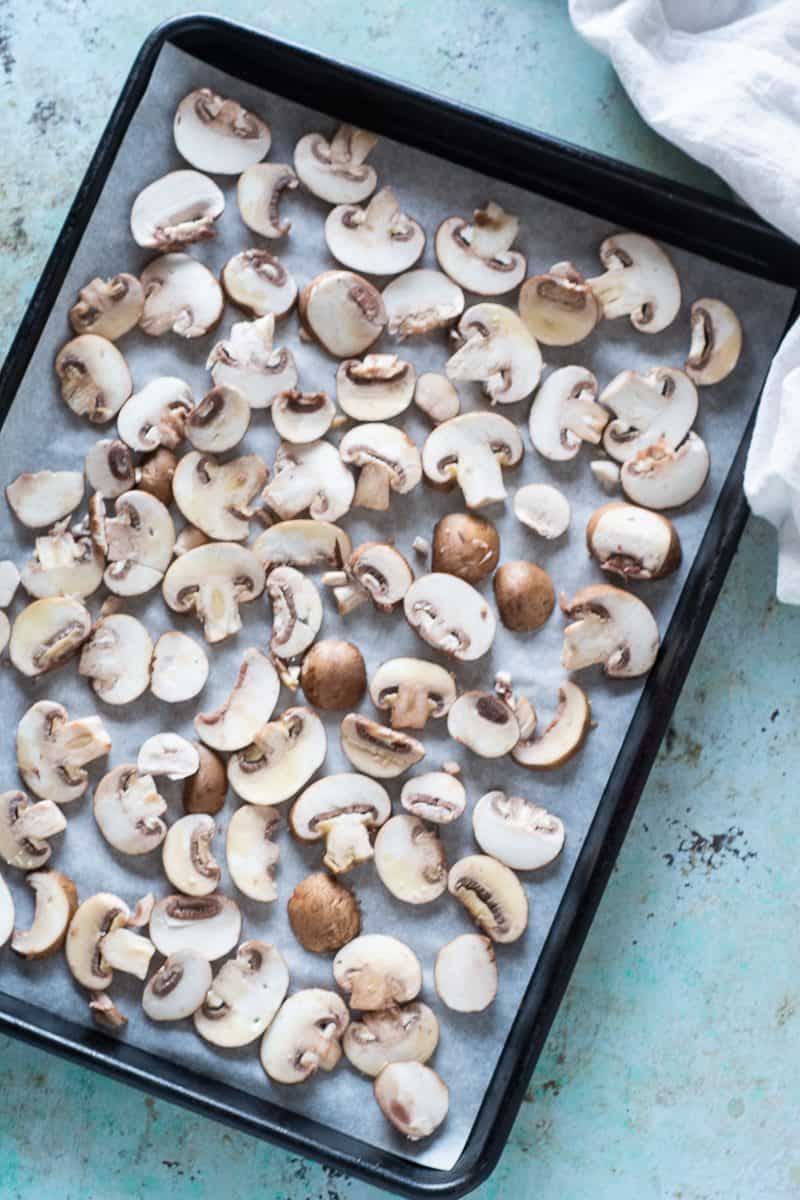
(40, 432)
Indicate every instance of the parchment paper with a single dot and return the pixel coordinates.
(40, 432)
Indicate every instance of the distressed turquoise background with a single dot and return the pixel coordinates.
(672, 1068)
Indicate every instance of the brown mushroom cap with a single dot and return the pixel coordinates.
(333, 675)
(205, 791)
(323, 913)
(525, 596)
(465, 545)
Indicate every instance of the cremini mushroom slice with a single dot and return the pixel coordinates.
(109, 468)
(465, 545)
(716, 342)
(140, 538)
(450, 615)
(186, 855)
(343, 312)
(436, 396)
(206, 790)
(544, 509)
(156, 415)
(413, 1098)
(517, 832)
(56, 899)
(53, 752)
(565, 413)
(612, 628)
(205, 925)
(296, 612)
(248, 361)
(421, 301)
(376, 388)
(465, 973)
(176, 210)
(559, 308)
(93, 920)
(388, 461)
(128, 810)
(436, 796)
(245, 995)
(302, 417)
(376, 972)
(179, 668)
(48, 633)
(409, 859)
(374, 571)
(178, 987)
(341, 809)
(492, 895)
(259, 193)
(212, 582)
(478, 255)
(337, 170)
(633, 542)
(108, 308)
(62, 565)
(302, 543)
(379, 239)
(217, 497)
(25, 830)
(377, 750)
(484, 723)
(660, 405)
(323, 913)
(525, 596)
(9, 581)
(660, 477)
(406, 1033)
(168, 754)
(6, 912)
(219, 421)
(562, 738)
(124, 950)
(309, 478)
(216, 134)
(283, 756)
(305, 1036)
(412, 690)
(94, 377)
(181, 296)
(249, 705)
(640, 282)
(252, 852)
(259, 283)
(116, 658)
(497, 351)
(44, 497)
(606, 474)
(472, 450)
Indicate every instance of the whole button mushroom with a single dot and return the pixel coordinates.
(95, 378)
(407, 1033)
(436, 796)
(249, 705)
(283, 756)
(523, 835)
(259, 283)
(178, 987)
(612, 628)
(420, 301)
(108, 308)
(413, 1098)
(659, 477)
(53, 751)
(47, 634)
(388, 461)
(181, 296)
(379, 240)
(412, 690)
(252, 852)
(559, 308)
(376, 972)
(562, 738)
(248, 361)
(565, 414)
(342, 809)
(525, 596)
(492, 895)
(305, 1036)
(259, 192)
(25, 829)
(188, 862)
(478, 254)
(212, 582)
(323, 913)
(176, 210)
(633, 542)
(333, 675)
(716, 342)
(337, 170)
(497, 351)
(465, 973)
(472, 450)
(244, 996)
(410, 861)
(206, 925)
(128, 810)
(465, 545)
(450, 615)
(56, 900)
(343, 312)
(640, 282)
(216, 134)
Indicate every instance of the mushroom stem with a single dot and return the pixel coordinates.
(411, 708)
(372, 490)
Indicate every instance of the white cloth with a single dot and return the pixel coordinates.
(721, 79)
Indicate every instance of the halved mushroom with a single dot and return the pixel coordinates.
(660, 405)
(409, 859)
(377, 750)
(302, 417)
(176, 210)
(248, 361)
(450, 615)
(716, 342)
(259, 283)
(62, 565)
(436, 396)
(559, 308)
(206, 790)
(497, 351)
(376, 972)
(178, 987)
(109, 468)
(562, 738)
(408, 1033)
(252, 852)
(188, 861)
(492, 895)
(374, 571)
(343, 312)
(48, 633)
(205, 925)
(44, 497)
(660, 477)
(484, 723)
(245, 995)
(180, 296)
(283, 756)
(128, 810)
(472, 450)
(336, 171)
(9, 581)
(303, 543)
(543, 508)
(217, 134)
(305, 1036)
(156, 415)
(606, 474)
(123, 950)
(140, 537)
(6, 912)
(632, 542)
(341, 809)
(53, 752)
(523, 835)
(478, 255)
(95, 379)
(309, 478)
(211, 582)
(465, 973)
(93, 920)
(259, 193)
(296, 612)
(116, 658)
(168, 754)
(376, 388)
(25, 830)
(249, 705)
(217, 497)
(108, 308)
(323, 913)
(56, 899)
(412, 690)
(389, 462)
(611, 627)
(379, 240)
(565, 413)
(436, 796)
(413, 1098)
(179, 668)
(640, 282)
(421, 301)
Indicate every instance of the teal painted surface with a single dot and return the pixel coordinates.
(671, 1070)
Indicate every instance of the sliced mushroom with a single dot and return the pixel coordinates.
(309, 478)
(211, 582)
(303, 543)
(25, 829)
(283, 756)
(388, 460)
(252, 852)
(296, 612)
(412, 690)
(56, 900)
(337, 170)
(409, 859)
(140, 537)
(259, 192)
(6, 912)
(188, 861)
(110, 468)
(247, 361)
(376, 388)
(611, 627)
(323, 913)
(62, 565)
(343, 312)
(450, 615)
(408, 1033)
(544, 509)
(379, 240)
(217, 497)
(53, 752)
(156, 473)
(640, 282)
(179, 668)
(176, 210)
(168, 754)
(124, 950)
(305, 1036)
(716, 342)
(181, 296)
(478, 255)
(48, 633)
(245, 995)
(95, 379)
(472, 450)
(421, 301)
(497, 351)
(178, 987)
(341, 809)
(43, 498)
(205, 791)
(108, 308)
(376, 972)
(94, 919)
(525, 596)
(465, 545)
(559, 308)
(156, 416)
(492, 895)
(562, 738)
(9, 581)
(128, 810)
(205, 925)
(606, 473)
(465, 973)
(259, 283)
(374, 571)
(105, 1012)
(377, 750)
(116, 658)
(302, 417)
(565, 413)
(249, 705)
(484, 723)
(660, 405)
(523, 835)
(436, 796)
(413, 1098)
(436, 396)
(188, 539)
(217, 134)
(660, 477)
(632, 542)
(5, 631)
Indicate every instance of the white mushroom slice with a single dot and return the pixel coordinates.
(389, 462)
(186, 855)
(341, 809)
(259, 283)
(343, 312)
(377, 388)
(562, 738)
(259, 192)
(523, 835)
(217, 497)
(496, 351)
(124, 950)
(302, 417)
(413, 1098)
(379, 240)
(248, 361)
(53, 752)
(249, 705)
(296, 612)
(109, 468)
(305, 1036)
(640, 282)
(472, 450)
(176, 210)
(219, 421)
(377, 750)
(48, 633)
(156, 416)
(716, 342)
(128, 810)
(244, 997)
(140, 539)
(205, 925)
(211, 582)
(465, 973)
(56, 899)
(421, 301)
(284, 755)
(309, 478)
(565, 413)
(660, 405)
(559, 308)
(116, 658)
(303, 543)
(6, 912)
(252, 852)
(436, 396)
(478, 256)
(95, 380)
(450, 615)
(660, 477)
(484, 723)
(108, 308)
(43, 498)
(217, 134)
(62, 565)
(25, 829)
(376, 972)
(407, 1033)
(180, 296)
(492, 895)
(606, 473)
(179, 668)
(168, 754)
(611, 627)
(9, 582)
(178, 987)
(412, 690)
(410, 861)
(436, 796)
(632, 542)
(93, 920)
(336, 171)
(188, 539)
(375, 571)
(543, 508)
